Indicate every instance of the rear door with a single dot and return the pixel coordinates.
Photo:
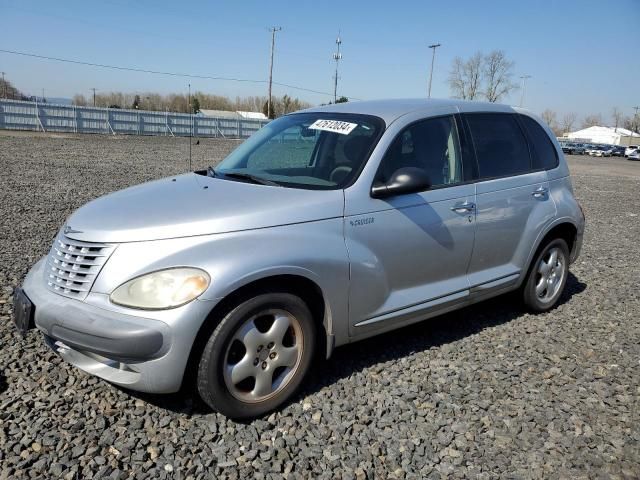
(512, 200)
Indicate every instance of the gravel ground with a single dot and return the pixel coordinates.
(486, 392)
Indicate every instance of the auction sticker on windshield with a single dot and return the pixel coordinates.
(336, 126)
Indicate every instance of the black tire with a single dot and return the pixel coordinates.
(212, 386)
(531, 298)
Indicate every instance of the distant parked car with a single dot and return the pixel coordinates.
(573, 148)
(600, 151)
(579, 149)
(634, 154)
(589, 148)
(618, 151)
(630, 149)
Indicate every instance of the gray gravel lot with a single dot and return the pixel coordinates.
(487, 392)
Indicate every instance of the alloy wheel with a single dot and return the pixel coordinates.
(263, 355)
(550, 274)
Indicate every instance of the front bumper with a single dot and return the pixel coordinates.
(124, 346)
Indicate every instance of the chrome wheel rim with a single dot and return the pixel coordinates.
(550, 275)
(263, 355)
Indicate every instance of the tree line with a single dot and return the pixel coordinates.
(179, 102)
(8, 90)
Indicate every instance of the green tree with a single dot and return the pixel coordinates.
(265, 109)
(195, 105)
(7, 90)
(136, 102)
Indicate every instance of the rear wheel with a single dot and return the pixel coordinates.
(258, 355)
(547, 276)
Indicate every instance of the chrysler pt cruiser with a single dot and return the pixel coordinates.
(325, 227)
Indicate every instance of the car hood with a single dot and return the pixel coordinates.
(193, 204)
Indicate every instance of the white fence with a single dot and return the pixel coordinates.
(45, 117)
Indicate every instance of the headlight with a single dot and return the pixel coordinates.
(162, 289)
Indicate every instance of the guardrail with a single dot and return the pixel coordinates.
(46, 117)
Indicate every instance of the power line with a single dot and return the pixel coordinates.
(158, 72)
(273, 43)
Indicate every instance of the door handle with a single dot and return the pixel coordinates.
(465, 207)
(540, 192)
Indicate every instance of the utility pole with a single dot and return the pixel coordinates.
(44, 100)
(337, 57)
(94, 96)
(273, 42)
(524, 84)
(634, 124)
(433, 57)
(4, 87)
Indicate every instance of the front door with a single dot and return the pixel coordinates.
(409, 254)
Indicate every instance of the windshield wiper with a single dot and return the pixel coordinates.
(252, 178)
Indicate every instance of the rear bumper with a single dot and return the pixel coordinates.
(137, 352)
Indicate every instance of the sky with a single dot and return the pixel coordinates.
(582, 55)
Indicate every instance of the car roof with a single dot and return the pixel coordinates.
(392, 109)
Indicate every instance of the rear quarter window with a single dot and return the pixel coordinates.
(543, 153)
(500, 145)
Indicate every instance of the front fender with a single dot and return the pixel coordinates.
(313, 250)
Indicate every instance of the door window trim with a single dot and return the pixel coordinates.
(531, 143)
(475, 153)
(463, 164)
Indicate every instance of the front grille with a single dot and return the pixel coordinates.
(72, 266)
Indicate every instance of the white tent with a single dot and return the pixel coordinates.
(606, 135)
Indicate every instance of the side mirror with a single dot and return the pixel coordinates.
(404, 180)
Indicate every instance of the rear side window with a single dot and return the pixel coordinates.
(500, 145)
(543, 153)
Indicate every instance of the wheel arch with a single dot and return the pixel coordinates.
(564, 228)
(302, 286)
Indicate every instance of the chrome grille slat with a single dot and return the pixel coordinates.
(83, 261)
(72, 266)
(77, 253)
(56, 283)
(57, 273)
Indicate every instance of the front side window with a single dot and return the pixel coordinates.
(501, 149)
(431, 145)
(305, 150)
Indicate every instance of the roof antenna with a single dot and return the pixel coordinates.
(190, 126)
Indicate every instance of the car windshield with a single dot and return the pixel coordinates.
(305, 150)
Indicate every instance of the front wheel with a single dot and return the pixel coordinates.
(547, 276)
(258, 355)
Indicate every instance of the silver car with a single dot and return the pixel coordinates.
(327, 226)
